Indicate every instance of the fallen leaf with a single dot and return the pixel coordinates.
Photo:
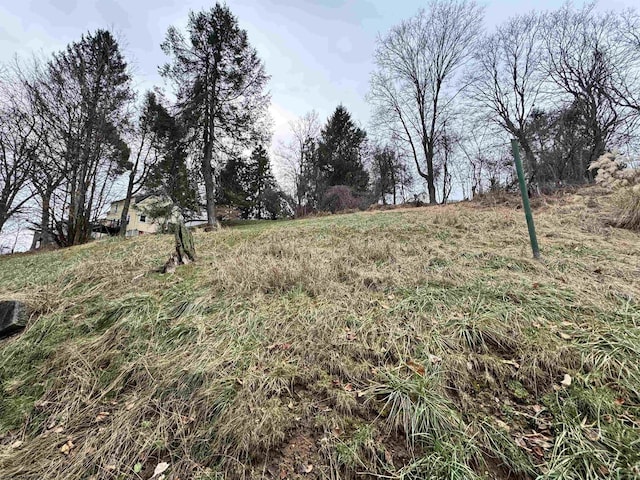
(160, 469)
(66, 448)
(566, 381)
(348, 387)
(17, 444)
(283, 474)
(619, 401)
(434, 359)
(58, 430)
(416, 367)
(538, 408)
(564, 336)
(102, 416)
(592, 434)
(306, 468)
(512, 363)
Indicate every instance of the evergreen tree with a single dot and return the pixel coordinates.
(82, 96)
(169, 176)
(220, 88)
(259, 179)
(232, 186)
(340, 152)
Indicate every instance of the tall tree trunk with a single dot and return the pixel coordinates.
(127, 204)
(46, 236)
(210, 193)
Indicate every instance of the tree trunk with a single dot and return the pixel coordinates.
(210, 193)
(46, 236)
(127, 204)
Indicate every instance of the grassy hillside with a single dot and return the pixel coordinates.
(417, 343)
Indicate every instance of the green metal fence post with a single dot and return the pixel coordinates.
(525, 198)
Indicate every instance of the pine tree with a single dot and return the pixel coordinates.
(340, 152)
(82, 97)
(259, 180)
(220, 89)
(169, 176)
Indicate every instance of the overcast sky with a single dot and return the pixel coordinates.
(318, 52)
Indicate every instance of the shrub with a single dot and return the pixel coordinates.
(340, 198)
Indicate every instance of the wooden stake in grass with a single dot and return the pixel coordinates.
(185, 250)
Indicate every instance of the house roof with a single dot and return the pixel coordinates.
(137, 198)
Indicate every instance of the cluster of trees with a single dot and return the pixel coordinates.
(565, 83)
(72, 127)
(446, 95)
(335, 167)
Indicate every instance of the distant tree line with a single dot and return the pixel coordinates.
(565, 83)
(446, 96)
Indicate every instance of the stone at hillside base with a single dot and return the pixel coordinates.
(13, 317)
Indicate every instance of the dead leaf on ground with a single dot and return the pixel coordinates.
(160, 469)
(102, 416)
(67, 447)
(434, 359)
(416, 367)
(512, 363)
(17, 444)
(564, 336)
(306, 468)
(566, 381)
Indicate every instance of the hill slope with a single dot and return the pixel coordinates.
(421, 343)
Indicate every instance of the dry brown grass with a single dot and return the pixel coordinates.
(416, 343)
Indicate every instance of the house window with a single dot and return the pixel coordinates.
(128, 219)
(143, 218)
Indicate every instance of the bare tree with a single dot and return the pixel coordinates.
(623, 51)
(19, 142)
(506, 78)
(415, 79)
(580, 59)
(292, 153)
(81, 97)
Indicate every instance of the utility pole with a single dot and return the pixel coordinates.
(525, 199)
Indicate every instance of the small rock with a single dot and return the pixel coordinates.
(13, 317)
